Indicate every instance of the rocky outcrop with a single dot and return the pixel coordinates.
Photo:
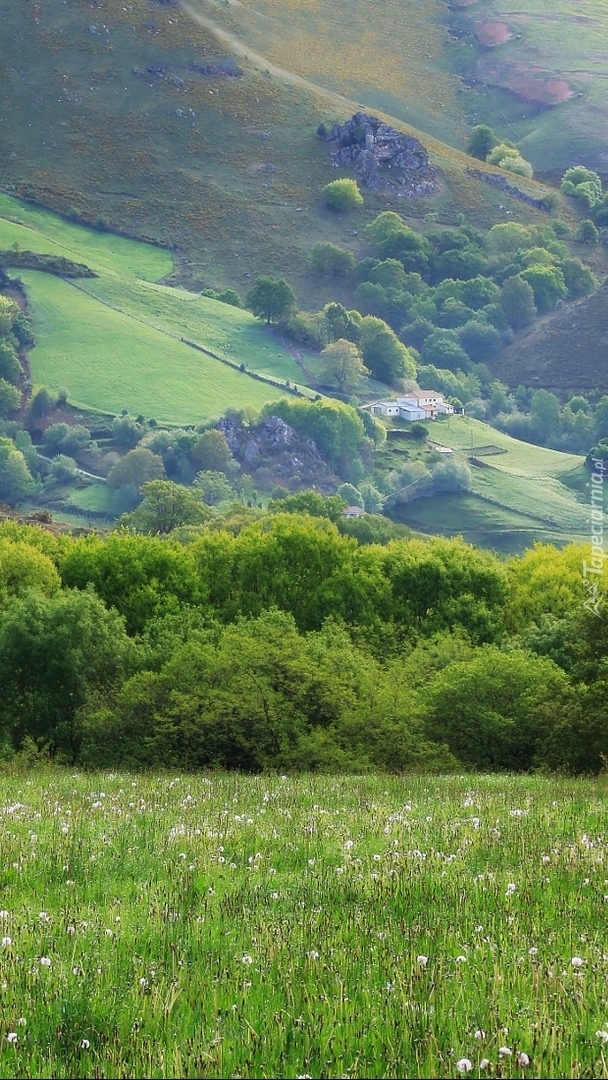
(496, 180)
(383, 158)
(275, 452)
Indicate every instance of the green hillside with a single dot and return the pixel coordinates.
(226, 171)
(519, 492)
(538, 70)
(114, 341)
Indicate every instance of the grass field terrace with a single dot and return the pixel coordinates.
(222, 925)
(115, 341)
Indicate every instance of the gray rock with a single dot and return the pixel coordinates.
(372, 148)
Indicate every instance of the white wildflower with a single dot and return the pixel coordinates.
(422, 960)
(6, 942)
(45, 961)
(577, 961)
(12, 1037)
(522, 1059)
(504, 1051)
(479, 1034)
(484, 1063)
(464, 1065)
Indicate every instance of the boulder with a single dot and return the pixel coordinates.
(383, 158)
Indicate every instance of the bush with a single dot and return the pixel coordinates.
(343, 195)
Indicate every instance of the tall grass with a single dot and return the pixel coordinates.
(167, 926)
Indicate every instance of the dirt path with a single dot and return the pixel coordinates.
(264, 64)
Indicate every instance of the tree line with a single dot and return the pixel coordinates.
(286, 644)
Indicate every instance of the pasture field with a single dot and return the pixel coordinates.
(521, 496)
(128, 326)
(222, 925)
(543, 78)
(228, 172)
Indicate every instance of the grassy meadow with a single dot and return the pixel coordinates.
(519, 494)
(226, 171)
(128, 327)
(550, 45)
(222, 925)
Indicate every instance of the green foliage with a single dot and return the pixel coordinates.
(41, 403)
(10, 398)
(135, 468)
(548, 285)
(140, 577)
(507, 157)
(166, 506)
(10, 366)
(329, 260)
(384, 355)
(66, 438)
(443, 349)
(584, 184)
(56, 654)
(336, 428)
(24, 567)
(586, 232)
(342, 366)
(311, 503)
(211, 453)
(517, 301)
(492, 709)
(271, 299)
(16, 481)
(483, 140)
(351, 495)
(342, 196)
(214, 487)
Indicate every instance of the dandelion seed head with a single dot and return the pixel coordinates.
(464, 1066)
(12, 1037)
(522, 1059)
(577, 961)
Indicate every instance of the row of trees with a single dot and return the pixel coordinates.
(288, 645)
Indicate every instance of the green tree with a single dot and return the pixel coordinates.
(587, 232)
(508, 158)
(547, 284)
(214, 487)
(66, 438)
(342, 195)
(24, 567)
(442, 348)
(10, 398)
(57, 654)
(271, 299)
(342, 366)
(211, 453)
(492, 709)
(16, 481)
(10, 366)
(517, 302)
(42, 402)
(351, 495)
(483, 140)
(384, 355)
(143, 578)
(311, 503)
(164, 507)
(340, 323)
(329, 260)
(480, 340)
(579, 279)
(135, 468)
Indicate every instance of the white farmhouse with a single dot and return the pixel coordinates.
(415, 405)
